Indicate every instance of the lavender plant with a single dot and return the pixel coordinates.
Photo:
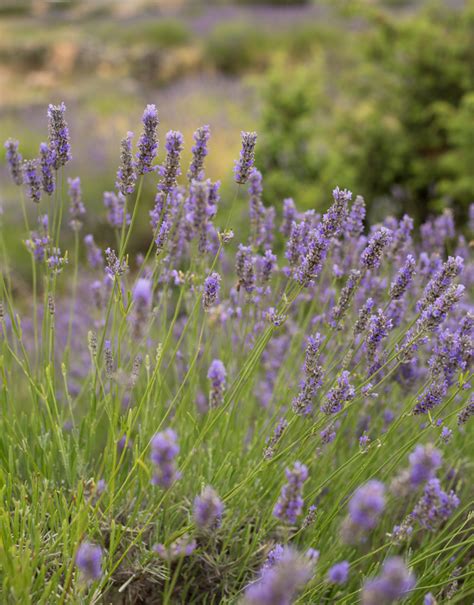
(280, 417)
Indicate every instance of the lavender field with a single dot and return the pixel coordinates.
(212, 394)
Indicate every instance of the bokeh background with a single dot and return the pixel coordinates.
(373, 95)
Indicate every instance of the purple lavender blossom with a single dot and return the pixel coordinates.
(363, 318)
(39, 241)
(142, 296)
(212, 286)
(94, 253)
(58, 135)
(208, 509)
(126, 177)
(171, 169)
(339, 311)
(321, 236)
(76, 208)
(435, 506)
(339, 573)
(313, 369)
(244, 165)
(280, 583)
(244, 267)
(217, 375)
(115, 204)
(89, 561)
(355, 219)
(289, 216)
(148, 142)
(379, 327)
(272, 442)
(466, 412)
(424, 461)
(180, 548)
(429, 599)
(46, 165)
(266, 264)
(115, 267)
(199, 151)
(367, 504)
(372, 254)
(340, 395)
(290, 503)
(31, 180)
(440, 282)
(14, 160)
(403, 278)
(394, 582)
(164, 449)
(431, 397)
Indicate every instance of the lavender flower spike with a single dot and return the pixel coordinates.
(339, 395)
(372, 254)
(290, 502)
(164, 449)
(394, 583)
(339, 573)
(76, 209)
(212, 286)
(58, 133)
(126, 177)
(280, 583)
(403, 278)
(31, 179)
(217, 375)
(199, 151)
(208, 509)
(148, 143)
(171, 170)
(89, 561)
(244, 165)
(46, 165)
(14, 160)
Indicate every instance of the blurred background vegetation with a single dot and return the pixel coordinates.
(373, 95)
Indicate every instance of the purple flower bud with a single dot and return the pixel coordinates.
(339, 573)
(94, 253)
(403, 278)
(32, 181)
(424, 461)
(394, 582)
(340, 395)
(212, 286)
(217, 375)
(76, 209)
(46, 165)
(115, 204)
(244, 165)
(126, 177)
(208, 509)
(58, 133)
(164, 449)
(199, 151)
(367, 504)
(372, 254)
(14, 160)
(89, 561)
(244, 267)
(148, 142)
(281, 582)
(171, 169)
(290, 502)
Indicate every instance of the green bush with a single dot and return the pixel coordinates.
(393, 114)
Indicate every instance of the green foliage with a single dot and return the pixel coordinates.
(395, 116)
(235, 47)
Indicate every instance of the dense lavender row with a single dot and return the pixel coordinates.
(280, 418)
